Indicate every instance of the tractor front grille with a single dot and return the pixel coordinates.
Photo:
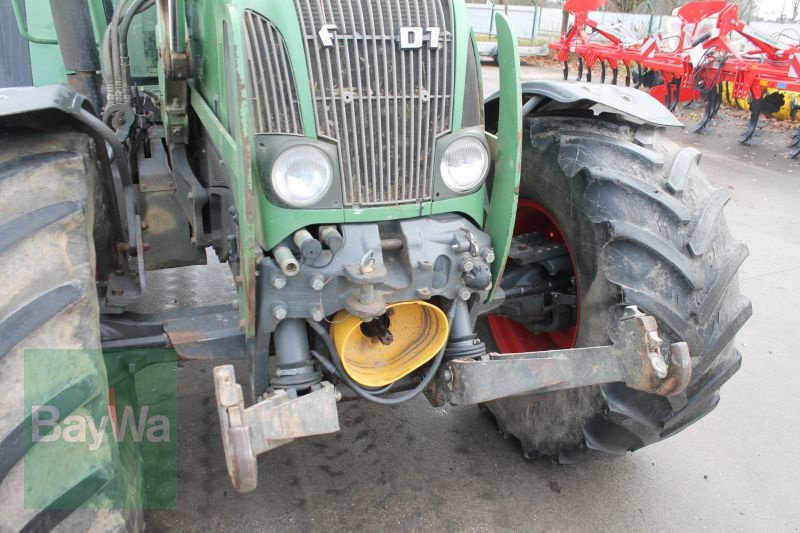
(272, 88)
(383, 105)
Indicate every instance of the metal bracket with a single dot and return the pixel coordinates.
(276, 420)
(128, 288)
(192, 195)
(195, 333)
(366, 302)
(634, 359)
(176, 64)
(120, 118)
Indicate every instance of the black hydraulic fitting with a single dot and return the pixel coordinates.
(310, 248)
(479, 278)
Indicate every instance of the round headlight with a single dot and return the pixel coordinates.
(301, 175)
(465, 164)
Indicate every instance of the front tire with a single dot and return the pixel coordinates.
(644, 227)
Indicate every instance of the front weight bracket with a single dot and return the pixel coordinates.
(634, 359)
(277, 419)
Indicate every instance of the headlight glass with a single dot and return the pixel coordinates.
(464, 164)
(301, 175)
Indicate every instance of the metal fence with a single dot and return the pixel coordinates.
(536, 22)
(525, 21)
(530, 22)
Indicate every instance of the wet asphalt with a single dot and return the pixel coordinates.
(419, 468)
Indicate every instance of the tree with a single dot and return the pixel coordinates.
(626, 6)
(666, 7)
(748, 9)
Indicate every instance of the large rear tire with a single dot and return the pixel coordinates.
(645, 228)
(48, 301)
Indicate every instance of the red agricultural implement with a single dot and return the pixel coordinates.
(761, 76)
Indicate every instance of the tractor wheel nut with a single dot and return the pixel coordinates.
(279, 282)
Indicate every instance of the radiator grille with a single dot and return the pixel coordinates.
(272, 88)
(383, 105)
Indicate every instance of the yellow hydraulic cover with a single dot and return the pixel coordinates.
(419, 332)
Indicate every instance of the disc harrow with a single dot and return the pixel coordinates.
(693, 65)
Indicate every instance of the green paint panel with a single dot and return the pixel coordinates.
(463, 32)
(472, 206)
(46, 63)
(23, 26)
(505, 189)
(206, 18)
(143, 50)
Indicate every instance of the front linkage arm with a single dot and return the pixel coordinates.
(280, 417)
(633, 359)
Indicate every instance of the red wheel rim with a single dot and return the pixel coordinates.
(511, 336)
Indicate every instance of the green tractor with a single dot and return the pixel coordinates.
(546, 253)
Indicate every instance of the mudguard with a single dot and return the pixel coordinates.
(508, 159)
(52, 107)
(625, 100)
(18, 101)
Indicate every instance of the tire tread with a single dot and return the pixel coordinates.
(648, 203)
(47, 186)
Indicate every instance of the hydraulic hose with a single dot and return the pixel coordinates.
(331, 368)
(367, 395)
(114, 38)
(123, 188)
(115, 48)
(110, 51)
(138, 6)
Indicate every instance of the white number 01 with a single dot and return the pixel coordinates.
(413, 37)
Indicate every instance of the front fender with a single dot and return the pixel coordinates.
(508, 158)
(57, 100)
(60, 108)
(625, 100)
